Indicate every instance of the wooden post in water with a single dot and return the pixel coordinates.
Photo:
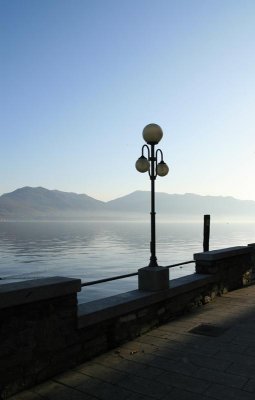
(206, 232)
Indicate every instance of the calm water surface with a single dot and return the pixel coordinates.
(95, 250)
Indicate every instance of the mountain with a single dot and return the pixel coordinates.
(185, 206)
(39, 203)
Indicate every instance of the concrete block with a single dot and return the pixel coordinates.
(153, 278)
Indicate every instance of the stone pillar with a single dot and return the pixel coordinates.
(153, 278)
(232, 265)
(37, 332)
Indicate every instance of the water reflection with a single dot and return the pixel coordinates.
(94, 250)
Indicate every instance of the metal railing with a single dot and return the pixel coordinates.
(114, 278)
(90, 283)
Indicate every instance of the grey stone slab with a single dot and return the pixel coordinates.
(132, 368)
(227, 379)
(250, 349)
(182, 394)
(136, 396)
(114, 361)
(27, 395)
(143, 344)
(196, 360)
(190, 384)
(12, 294)
(151, 341)
(56, 391)
(146, 387)
(236, 357)
(171, 354)
(103, 391)
(244, 369)
(247, 338)
(232, 348)
(176, 336)
(104, 373)
(70, 378)
(250, 386)
(179, 340)
(141, 358)
(160, 363)
(186, 322)
(221, 392)
(136, 350)
(183, 366)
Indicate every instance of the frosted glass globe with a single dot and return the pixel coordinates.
(142, 164)
(162, 169)
(152, 133)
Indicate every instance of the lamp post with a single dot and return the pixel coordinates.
(152, 134)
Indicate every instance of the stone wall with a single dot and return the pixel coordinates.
(44, 332)
(37, 332)
(233, 266)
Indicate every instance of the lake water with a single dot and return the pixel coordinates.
(95, 250)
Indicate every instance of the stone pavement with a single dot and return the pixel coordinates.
(170, 362)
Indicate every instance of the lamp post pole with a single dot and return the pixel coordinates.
(153, 259)
(152, 134)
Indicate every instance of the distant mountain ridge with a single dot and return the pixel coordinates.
(38, 203)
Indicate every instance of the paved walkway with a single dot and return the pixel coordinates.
(170, 362)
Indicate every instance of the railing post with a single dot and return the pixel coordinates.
(206, 232)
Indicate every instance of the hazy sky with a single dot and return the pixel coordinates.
(81, 78)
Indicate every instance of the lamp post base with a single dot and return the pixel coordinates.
(153, 278)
